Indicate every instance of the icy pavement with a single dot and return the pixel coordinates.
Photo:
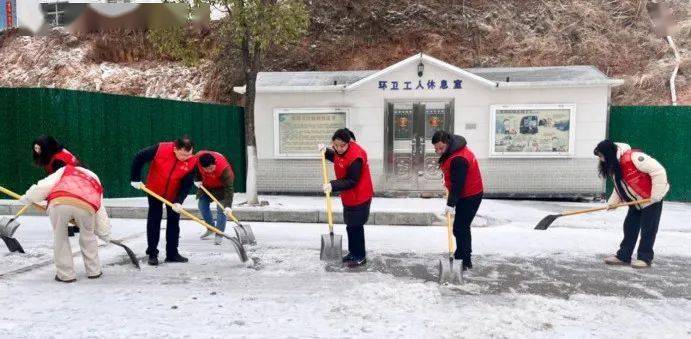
(525, 283)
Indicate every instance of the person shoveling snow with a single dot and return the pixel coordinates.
(354, 181)
(73, 193)
(636, 176)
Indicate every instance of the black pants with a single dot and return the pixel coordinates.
(153, 228)
(355, 219)
(466, 208)
(645, 222)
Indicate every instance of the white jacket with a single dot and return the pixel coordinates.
(645, 164)
(39, 192)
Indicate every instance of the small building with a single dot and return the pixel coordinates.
(533, 129)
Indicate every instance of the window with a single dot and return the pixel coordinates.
(54, 12)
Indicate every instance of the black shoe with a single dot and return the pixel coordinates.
(176, 258)
(153, 260)
(356, 262)
(95, 276)
(348, 257)
(64, 281)
(467, 264)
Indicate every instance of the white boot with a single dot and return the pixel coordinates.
(640, 264)
(206, 235)
(613, 260)
(218, 239)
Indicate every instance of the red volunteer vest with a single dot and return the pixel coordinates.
(166, 171)
(638, 181)
(213, 179)
(64, 156)
(77, 184)
(363, 190)
(473, 180)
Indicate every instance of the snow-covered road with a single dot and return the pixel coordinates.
(526, 283)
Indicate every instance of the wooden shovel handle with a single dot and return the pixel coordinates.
(183, 212)
(642, 201)
(17, 197)
(218, 203)
(329, 210)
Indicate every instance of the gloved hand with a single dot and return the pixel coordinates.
(321, 147)
(327, 188)
(25, 200)
(105, 238)
(655, 199)
(228, 212)
(612, 206)
(198, 184)
(136, 184)
(450, 209)
(177, 208)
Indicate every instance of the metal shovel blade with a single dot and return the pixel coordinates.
(250, 234)
(245, 234)
(13, 244)
(331, 247)
(546, 221)
(8, 226)
(450, 272)
(130, 253)
(238, 248)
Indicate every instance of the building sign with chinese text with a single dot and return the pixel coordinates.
(444, 84)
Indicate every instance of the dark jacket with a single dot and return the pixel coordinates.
(459, 169)
(146, 155)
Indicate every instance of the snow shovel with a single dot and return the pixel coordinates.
(244, 232)
(548, 220)
(8, 227)
(236, 243)
(331, 244)
(129, 251)
(449, 271)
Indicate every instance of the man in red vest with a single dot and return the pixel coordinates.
(636, 176)
(216, 174)
(50, 155)
(73, 193)
(463, 182)
(354, 182)
(170, 176)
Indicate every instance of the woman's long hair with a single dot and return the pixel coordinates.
(609, 167)
(49, 146)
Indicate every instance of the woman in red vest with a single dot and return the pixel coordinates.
(463, 182)
(73, 193)
(216, 174)
(170, 176)
(354, 182)
(636, 176)
(49, 154)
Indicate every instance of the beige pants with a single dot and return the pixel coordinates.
(60, 216)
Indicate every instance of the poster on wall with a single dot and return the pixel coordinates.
(8, 14)
(298, 131)
(532, 130)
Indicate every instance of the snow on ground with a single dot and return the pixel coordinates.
(526, 283)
